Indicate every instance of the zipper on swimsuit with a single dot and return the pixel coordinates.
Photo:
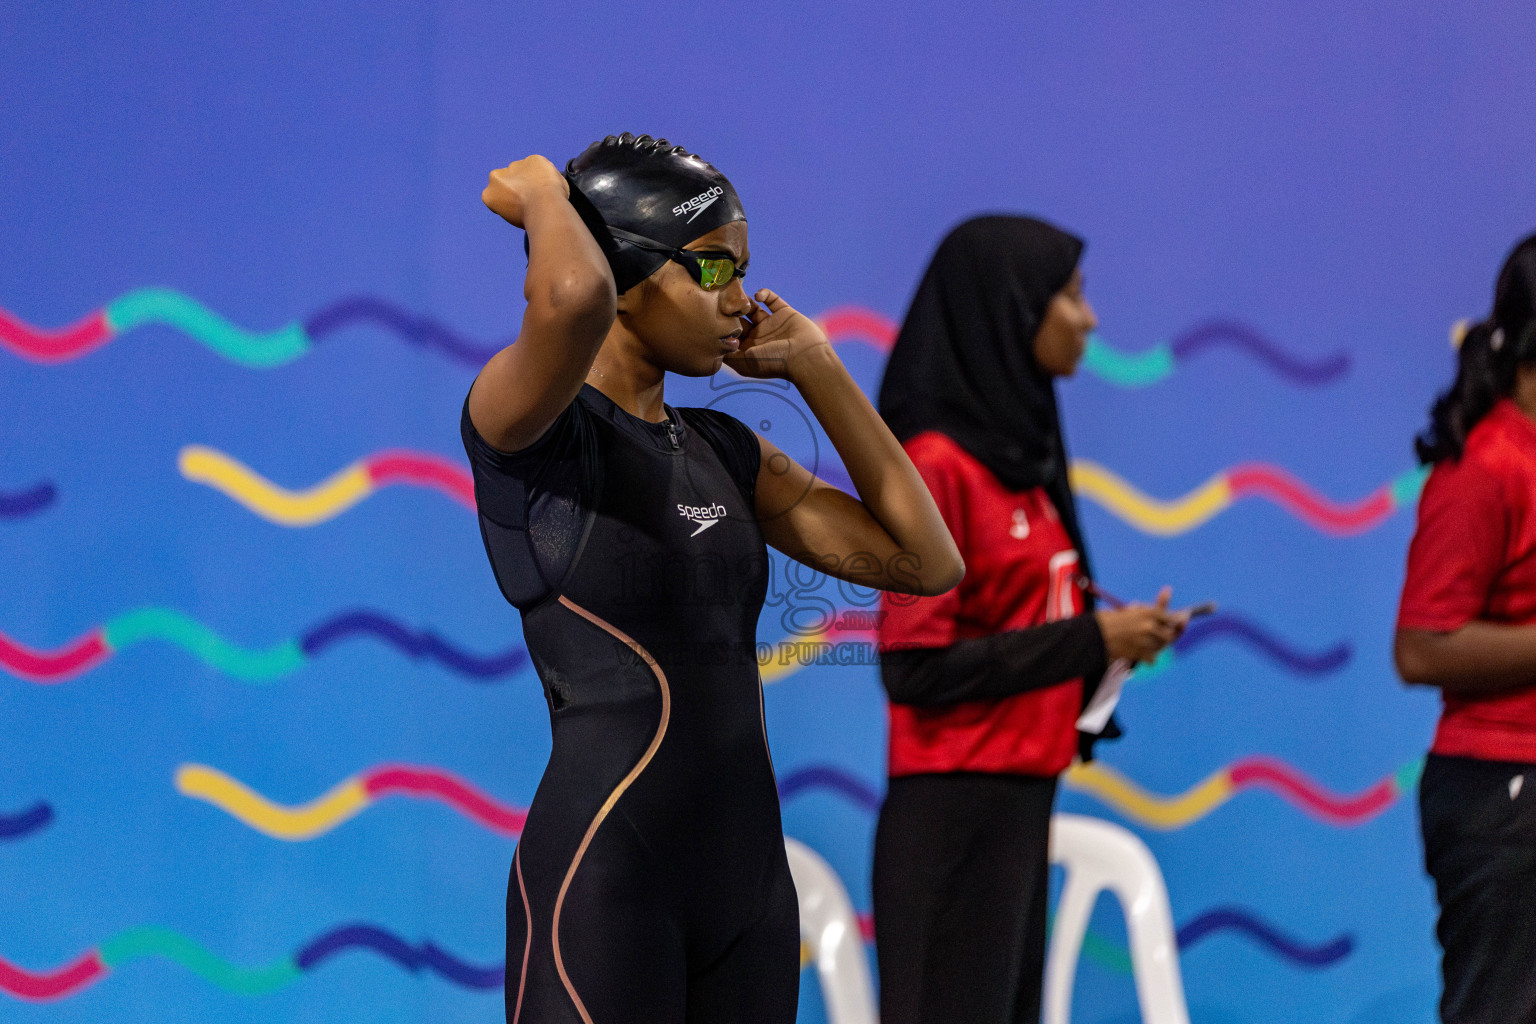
(671, 432)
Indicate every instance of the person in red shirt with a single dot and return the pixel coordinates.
(987, 682)
(1467, 624)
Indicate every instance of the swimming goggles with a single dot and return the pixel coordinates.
(711, 269)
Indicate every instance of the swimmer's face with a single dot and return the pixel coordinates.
(1063, 335)
(686, 329)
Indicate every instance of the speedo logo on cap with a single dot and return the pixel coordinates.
(699, 203)
(702, 517)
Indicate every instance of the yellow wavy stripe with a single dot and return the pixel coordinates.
(1151, 809)
(1150, 515)
(292, 823)
(774, 669)
(325, 500)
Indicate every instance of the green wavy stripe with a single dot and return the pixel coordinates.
(1126, 369)
(1406, 488)
(1102, 951)
(1162, 663)
(1406, 778)
(163, 306)
(1106, 954)
(202, 642)
(150, 941)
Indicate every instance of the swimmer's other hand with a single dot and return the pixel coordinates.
(513, 187)
(778, 338)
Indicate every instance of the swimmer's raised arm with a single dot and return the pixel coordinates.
(891, 536)
(571, 304)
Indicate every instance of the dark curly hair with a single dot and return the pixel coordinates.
(1491, 351)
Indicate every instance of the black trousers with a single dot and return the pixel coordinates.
(960, 879)
(1479, 823)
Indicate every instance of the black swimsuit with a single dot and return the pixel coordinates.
(651, 882)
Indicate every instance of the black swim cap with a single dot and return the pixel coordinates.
(650, 188)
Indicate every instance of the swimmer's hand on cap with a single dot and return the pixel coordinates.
(778, 339)
(518, 185)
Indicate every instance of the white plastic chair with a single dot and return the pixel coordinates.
(831, 930)
(1098, 855)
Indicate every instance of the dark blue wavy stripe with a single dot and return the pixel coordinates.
(423, 644)
(1267, 935)
(420, 330)
(24, 823)
(827, 777)
(25, 503)
(412, 958)
(1258, 637)
(1237, 335)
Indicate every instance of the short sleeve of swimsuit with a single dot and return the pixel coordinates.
(533, 502)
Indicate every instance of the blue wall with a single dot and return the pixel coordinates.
(1325, 186)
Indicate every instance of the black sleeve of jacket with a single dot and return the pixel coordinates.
(1000, 665)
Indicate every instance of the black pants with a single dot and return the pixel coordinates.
(960, 898)
(1479, 822)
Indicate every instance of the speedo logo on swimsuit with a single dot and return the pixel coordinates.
(699, 203)
(704, 517)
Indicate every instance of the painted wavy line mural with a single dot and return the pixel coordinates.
(1255, 637)
(1169, 812)
(345, 800)
(353, 795)
(1175, 811)
(331, 496)
(1130, 369)
(283, 345)
(1253, 480)
(24, 823)
(258, 350)
(340, 491)
(790, 653)
(28, 502)
(253, 666)
(150, 941)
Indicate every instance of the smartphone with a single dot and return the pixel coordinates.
(1198, 610)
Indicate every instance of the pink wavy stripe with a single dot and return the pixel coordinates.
(43, 985)
(54, 346)
(434, 782)
(1331, 807)
(391, 467)
(843, 321)
(1292, 494)
(57, 665)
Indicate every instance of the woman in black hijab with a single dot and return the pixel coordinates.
(987, 682)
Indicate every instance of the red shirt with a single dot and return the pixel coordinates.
(1473, 558)
(1020, 571)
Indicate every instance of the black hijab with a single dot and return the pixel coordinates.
(964, 362)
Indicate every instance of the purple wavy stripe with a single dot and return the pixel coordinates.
(1256, 636)
(24, 503)
(419, 330)
(423, 644)
(412, 958)
(1215, 333)
(820, 776)
(24, 823)
(1267, 935)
